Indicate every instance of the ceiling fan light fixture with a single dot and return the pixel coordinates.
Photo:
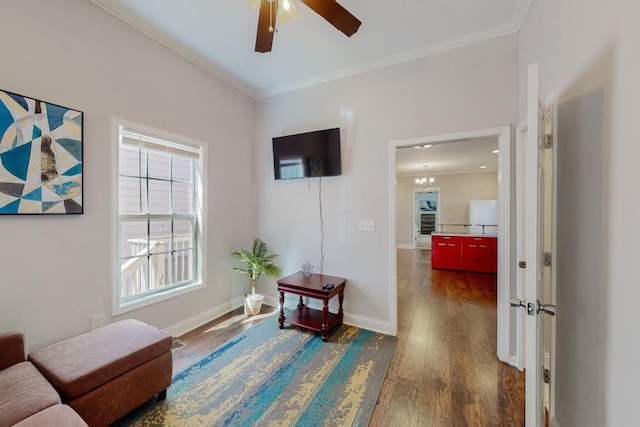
(287, 11)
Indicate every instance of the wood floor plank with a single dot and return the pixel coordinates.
(437, 385)
(482, 335)
(465, 392)
(413, 358)
(486, 370)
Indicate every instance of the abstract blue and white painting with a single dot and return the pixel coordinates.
(41, 166)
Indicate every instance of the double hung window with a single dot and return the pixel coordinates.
(159, 216)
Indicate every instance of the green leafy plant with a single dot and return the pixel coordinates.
(257, 262)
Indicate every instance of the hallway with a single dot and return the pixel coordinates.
(445, 371)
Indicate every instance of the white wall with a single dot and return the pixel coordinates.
(470, 88)
(456, 190)
(55, 272)
(405, 227)
(588, 52)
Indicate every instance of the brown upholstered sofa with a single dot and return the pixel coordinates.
(26, 397)
(101, 375)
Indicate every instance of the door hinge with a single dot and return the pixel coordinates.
(532, 310)
(522, 264)
(547, 375)
(547, 259)
(548, 141)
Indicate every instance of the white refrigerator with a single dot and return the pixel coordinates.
(483, 212)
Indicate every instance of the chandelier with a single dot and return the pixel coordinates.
(424, 180)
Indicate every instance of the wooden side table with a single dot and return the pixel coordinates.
(312, 287)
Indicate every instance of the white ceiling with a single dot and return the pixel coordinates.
(465, 156)
(219, 35)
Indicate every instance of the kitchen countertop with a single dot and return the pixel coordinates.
(440, 233)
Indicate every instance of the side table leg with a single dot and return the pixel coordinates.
(300, 304)
(281, 316)
(325, 320)
(340, 312)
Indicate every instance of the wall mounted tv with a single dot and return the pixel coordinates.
(307, 155)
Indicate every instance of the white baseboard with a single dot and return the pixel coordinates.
(368, 323)
(513, 361)
(270, 300)
(349, 319)
(200, 319)
(404, 246)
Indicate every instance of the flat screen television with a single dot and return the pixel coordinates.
(307, 155)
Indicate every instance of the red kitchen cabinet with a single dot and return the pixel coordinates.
(446, 252)
(480, 254)
(467, 253)
(438, 252)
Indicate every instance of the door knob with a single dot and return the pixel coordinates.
(550, 309)
(515, 302)
(533, 309)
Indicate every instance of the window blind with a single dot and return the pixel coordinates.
(134, 139)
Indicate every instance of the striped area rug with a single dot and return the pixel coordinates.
(271, 377)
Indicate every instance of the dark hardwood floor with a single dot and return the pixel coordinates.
(444, 371)
(200, 342)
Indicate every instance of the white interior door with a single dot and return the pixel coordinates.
(549, 322)
(538, 195)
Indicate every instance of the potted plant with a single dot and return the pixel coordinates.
(256, 263)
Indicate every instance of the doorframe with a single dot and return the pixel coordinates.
(417, 190)
(552, 102)
(520, 171)
(503, 133)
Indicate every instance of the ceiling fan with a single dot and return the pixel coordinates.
(330, 10)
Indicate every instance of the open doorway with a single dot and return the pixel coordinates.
(503, 134)
(426, 201)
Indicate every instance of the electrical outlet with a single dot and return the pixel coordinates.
(97, 321)
(366, 225)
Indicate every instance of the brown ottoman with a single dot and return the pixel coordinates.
(106, 373)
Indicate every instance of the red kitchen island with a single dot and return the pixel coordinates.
(314, 286)
(465, 252)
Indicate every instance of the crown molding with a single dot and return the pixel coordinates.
(479, 36)
(512, 27)
(205, 65)
(520, 13)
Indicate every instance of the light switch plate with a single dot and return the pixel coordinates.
(366, 225)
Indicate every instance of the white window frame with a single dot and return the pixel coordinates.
(118, 307)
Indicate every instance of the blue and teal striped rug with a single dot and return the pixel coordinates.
(271, 377)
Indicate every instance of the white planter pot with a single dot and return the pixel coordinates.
(252, 304)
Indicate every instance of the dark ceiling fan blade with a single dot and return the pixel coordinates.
(337, 15)
(266, 20)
